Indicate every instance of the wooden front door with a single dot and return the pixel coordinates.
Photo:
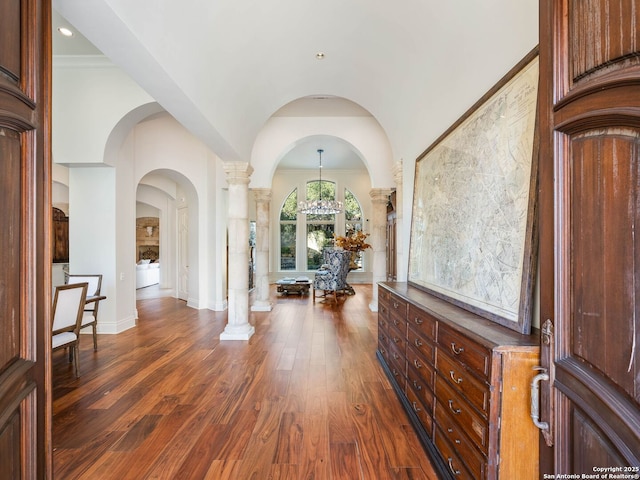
(25, 250)
(590, 235)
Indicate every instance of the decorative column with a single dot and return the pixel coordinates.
(397, 177)
(238, 326)
(379, 200)
(261, 301)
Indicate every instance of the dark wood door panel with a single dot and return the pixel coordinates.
(610, 43)
(601, 403)
(25, 278)
(594, 450)
(10, 26)
(10, 223)
(604, 218)
(589, 246)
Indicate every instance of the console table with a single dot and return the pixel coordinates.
(464, 382)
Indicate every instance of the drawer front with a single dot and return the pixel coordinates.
(424, 413)
(397, 338)
(424, 324)
(397, 365)
(383, 345)
(383, 311)
(421, 389)
(384, 296)
(398, 307)
(451, 458)
(469, 421)
(399, 323)
(424, 347)
(474, 460)
(424, 369)
(475, 392)
(465, 351)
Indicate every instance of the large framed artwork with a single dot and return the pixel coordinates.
(472, 230)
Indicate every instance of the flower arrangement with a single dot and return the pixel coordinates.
(354, 241)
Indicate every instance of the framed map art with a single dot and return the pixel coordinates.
(472, 229)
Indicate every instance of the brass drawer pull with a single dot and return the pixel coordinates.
(455, 350)
(418, 320)
(415, 407)
(418, 342)
(396, 305)
(453, 470)
(453, 377)
(455, 411)
(416, 385)
(417, 364)
(396, 340)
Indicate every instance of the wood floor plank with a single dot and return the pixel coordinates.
(289, 441)
(315, 447)
(304, 398)
(345, 461)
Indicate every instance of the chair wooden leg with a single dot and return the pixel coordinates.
(76, 359)
(313, 291)
(95, 338)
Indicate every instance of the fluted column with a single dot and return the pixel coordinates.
(261, 301)
(238, 326)
(397, 177)
(379, 200)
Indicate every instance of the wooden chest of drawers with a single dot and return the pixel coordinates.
(464, 382)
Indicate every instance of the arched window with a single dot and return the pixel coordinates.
(314, 232)
(288, 221)
(352, 218)
(352, 212)
(320, 228)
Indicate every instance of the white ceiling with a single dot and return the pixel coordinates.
(223, 68)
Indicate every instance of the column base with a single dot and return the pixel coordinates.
(261, 306)
(238, 332)
(373, 307)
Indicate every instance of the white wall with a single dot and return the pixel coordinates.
(164, 147)
(90, 96)
(364, 134)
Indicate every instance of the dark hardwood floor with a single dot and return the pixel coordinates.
(305, 398)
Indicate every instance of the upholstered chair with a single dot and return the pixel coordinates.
(68, 306)
(90, 315)
(332, 276)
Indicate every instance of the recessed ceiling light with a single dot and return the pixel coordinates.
(320, 55)
(65, 31)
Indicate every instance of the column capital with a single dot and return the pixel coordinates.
(380, 195)
(397, 172)
(262, 195)
(237, 172)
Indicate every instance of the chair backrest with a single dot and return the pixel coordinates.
(94, 281)
(68, 306)
(95, 284)
(338, 263)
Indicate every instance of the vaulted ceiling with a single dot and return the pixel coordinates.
(224, 67)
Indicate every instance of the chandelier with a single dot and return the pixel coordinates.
(320, 206)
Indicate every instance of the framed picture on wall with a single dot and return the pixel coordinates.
(472, 229)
